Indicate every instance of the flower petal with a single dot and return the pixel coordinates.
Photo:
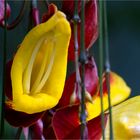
(119, 91)
(51, 10)
(91, 82)
(65, 120)
(66, 124)
(20, 119)
(118, 88)
(55, 32)
(94, 129)
(47, 126)
(126, 120)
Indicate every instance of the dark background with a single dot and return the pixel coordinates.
(124, 40)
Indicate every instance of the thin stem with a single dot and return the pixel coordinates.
(35, 12)
(18, 134)
(18, 18)
(4, 73)
(107, 70)
(82, 59)
(46, 3)
(101, 63)
(76, 20)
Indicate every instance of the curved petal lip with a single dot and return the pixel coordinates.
(58, 29)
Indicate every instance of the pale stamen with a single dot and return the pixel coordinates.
(47, 73)
(46, 60)
(28, 70)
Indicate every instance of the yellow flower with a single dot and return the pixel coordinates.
(126, 120)
(119, 91)
(39, 67)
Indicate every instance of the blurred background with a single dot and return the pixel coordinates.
(124, 40)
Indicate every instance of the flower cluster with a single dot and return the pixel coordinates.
(40, 97)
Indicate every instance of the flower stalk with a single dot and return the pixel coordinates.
(4, 73)
(35, 12)
(82, 60)
(76, 20)
(18, 134)
(101, 64)
(107, 69)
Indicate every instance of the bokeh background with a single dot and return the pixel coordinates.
(124, 41)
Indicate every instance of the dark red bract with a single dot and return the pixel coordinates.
(91, 23)
(66, 124)
(13, 117)
(91, 82)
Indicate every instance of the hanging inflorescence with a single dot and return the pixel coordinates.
(52, 107)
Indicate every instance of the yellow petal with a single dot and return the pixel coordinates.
(126, 120)
(39, 67)
(119, 91)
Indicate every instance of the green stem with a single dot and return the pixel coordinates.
(101, 63)
(4, 72)
(46, 3)
(107, 70)
(18, 134)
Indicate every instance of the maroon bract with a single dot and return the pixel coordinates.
(91, 23)
(48, 131)
(91, 83)
(65, 120)
(51, 10)
(68, 8)
(13, 117)
(66, 124)
(20, 119)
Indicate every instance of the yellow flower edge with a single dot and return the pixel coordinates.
(126, 120)
(119, 91)
(39, 67)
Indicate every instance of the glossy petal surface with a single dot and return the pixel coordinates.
(119, 91)
(126, 120)
(39, 66)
